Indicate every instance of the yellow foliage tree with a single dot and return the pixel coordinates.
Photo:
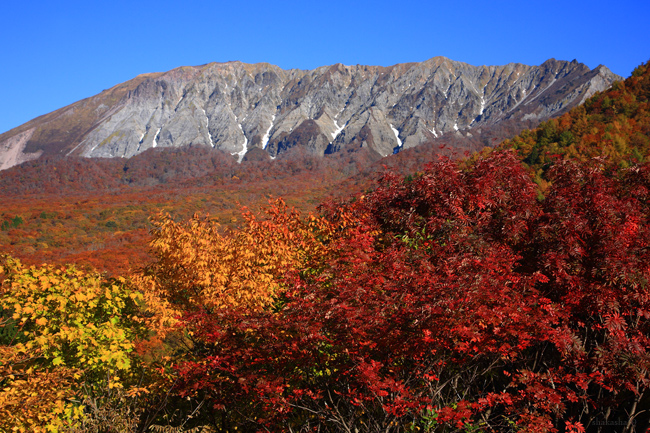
(63, 333)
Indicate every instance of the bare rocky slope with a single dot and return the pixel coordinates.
(237, 107)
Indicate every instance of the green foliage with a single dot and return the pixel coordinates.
(15, 222)
(426, 422)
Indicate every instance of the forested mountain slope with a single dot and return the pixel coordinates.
(614, 124)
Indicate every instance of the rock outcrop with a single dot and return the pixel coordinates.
(239, 107)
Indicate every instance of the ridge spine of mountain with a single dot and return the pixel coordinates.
(237, 107)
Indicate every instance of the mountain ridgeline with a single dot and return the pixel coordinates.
(613, 125)
(236, 108)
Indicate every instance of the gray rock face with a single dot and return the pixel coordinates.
(237, 107)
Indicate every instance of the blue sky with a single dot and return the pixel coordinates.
(55, 53)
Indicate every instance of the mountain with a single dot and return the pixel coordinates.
(236, 107)
(613, 125)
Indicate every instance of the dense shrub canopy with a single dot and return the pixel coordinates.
(453, 298)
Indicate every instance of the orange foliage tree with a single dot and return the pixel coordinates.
(199, 266)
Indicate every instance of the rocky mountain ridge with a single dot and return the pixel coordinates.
(237, 107)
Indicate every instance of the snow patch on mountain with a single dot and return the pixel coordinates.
(396, 132)
(265, 139)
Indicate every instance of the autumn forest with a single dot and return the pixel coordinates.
(431, 291)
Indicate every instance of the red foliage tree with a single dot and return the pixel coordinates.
(451, 299)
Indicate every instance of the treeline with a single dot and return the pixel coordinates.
(178, 167)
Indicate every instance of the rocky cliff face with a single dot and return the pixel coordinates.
(237, 107)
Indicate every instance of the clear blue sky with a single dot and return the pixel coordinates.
(55, 53)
